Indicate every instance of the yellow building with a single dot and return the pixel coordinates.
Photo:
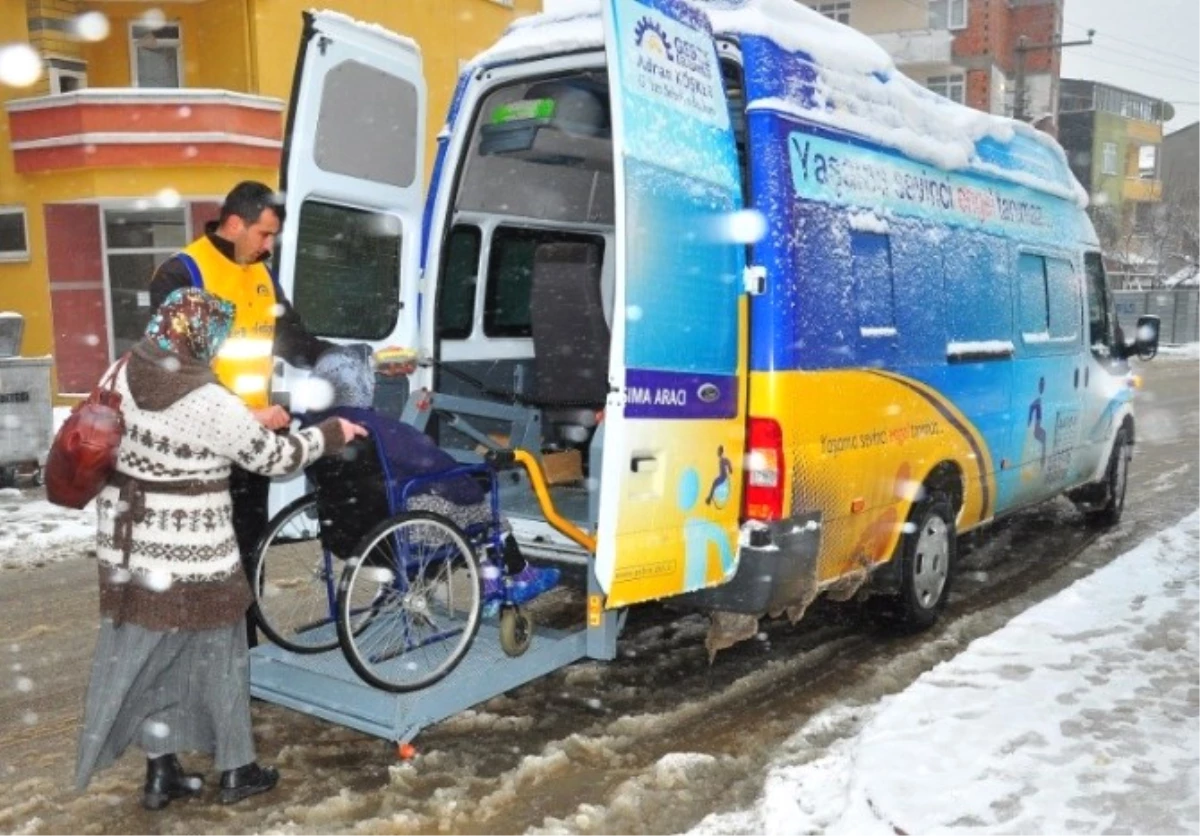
(119, 138)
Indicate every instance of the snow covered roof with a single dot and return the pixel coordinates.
(858, 90)
(1188, 276)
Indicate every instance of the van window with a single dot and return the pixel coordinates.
(347, 280)
(981, 307)
(456, 290)
(871, 257)
(1062, 285)
(510, 276)
(1101, 322)
(1035, 308)
(374, 143)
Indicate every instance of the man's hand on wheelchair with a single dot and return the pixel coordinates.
(351, 431)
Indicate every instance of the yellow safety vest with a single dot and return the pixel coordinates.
(245, 361)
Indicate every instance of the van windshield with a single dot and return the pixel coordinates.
(543, 149)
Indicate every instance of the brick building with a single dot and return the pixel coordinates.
(965, 49)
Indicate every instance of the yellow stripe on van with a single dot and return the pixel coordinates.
(858, 444)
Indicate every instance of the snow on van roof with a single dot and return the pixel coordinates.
(859, 89)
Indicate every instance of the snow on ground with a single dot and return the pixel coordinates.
(33, 531)
(1186, 351)
(1078, 716)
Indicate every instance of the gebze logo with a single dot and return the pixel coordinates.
(650, 37)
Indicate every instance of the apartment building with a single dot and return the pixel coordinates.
(1113, 138)
(116, 153)
(966, 50)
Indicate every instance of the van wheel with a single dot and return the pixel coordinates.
(926, 563)
(1116, 478)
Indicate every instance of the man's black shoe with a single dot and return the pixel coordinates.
(246, 781)
(165, 780)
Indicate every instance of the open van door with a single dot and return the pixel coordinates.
(674, 426)
(353, 180)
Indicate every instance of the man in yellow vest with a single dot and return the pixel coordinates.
(229, 261)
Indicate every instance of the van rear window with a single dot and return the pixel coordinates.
(347, 281)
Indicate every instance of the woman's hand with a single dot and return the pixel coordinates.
(272, 417)
(351, 431)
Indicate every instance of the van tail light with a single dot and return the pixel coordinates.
(764, 470)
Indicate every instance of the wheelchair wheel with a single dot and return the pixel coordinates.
(417, 586)
(292, 586)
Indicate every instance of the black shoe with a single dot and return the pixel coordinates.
(165, 780)
(246, 781)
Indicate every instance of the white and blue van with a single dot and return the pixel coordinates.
(803, 320)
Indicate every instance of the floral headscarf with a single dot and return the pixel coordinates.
(191, 323)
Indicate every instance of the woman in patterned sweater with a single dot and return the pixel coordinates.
(171, 665)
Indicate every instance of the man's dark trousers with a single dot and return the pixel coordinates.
(249, 491)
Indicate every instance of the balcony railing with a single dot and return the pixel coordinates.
(121, 127)
(929, 48)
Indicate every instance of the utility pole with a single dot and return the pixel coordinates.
(1024, 47)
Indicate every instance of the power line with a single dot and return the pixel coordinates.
(1190, 60)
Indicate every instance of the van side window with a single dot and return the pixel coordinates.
(510, 276)
(1065, 301)
(456, 291)
(1101, 323)
(871, 259)
(1035, 305)
(347, 281)
(981, 308)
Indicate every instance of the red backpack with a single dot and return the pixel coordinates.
(84, 452)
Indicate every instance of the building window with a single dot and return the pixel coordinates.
(66, 81)
(14, 242)
(839, 11)
(1109, 159)
(1148, 162)
(136, 242)
(947, 14)
(156, 55)
(950, 86)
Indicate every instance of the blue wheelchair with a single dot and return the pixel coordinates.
(399, 590)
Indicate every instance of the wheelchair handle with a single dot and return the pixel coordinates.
(500, 460)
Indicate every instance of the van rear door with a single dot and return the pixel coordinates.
(353, 181)
(675, 419)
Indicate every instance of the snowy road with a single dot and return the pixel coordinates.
(654, 742)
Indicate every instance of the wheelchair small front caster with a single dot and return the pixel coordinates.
(516, 630)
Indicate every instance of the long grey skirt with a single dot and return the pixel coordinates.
(170, 692)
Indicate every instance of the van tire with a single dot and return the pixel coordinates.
(925, 559)
(1116, 480)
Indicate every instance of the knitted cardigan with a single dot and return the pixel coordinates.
(166, 546)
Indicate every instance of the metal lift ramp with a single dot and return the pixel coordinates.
(325, 686)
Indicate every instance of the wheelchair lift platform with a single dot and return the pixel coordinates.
(324, 685)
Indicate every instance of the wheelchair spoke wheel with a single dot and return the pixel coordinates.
(290, 577)
(409, 603)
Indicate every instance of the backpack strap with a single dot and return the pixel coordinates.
(193, 270)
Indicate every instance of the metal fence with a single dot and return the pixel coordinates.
(1179, 311)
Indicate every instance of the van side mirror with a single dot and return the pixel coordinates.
(1145, 344)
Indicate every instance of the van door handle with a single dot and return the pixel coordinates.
(643, 464)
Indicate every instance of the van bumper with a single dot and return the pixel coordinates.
(777, 567)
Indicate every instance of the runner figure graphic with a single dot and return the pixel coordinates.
(718, 494)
